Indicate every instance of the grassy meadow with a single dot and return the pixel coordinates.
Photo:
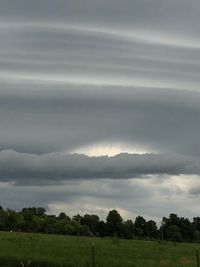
(42, 250)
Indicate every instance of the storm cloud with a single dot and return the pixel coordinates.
(34, 169)
(64, 118)
(79, 74)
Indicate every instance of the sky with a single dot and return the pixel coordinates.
(100, 106)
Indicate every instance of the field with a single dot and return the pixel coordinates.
(41, 250)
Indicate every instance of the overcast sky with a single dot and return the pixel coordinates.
(100, 106)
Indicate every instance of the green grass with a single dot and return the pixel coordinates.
(60, 251)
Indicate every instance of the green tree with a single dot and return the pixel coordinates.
(197, 236)
(186, 229)
(152, 230)
(77, 218)
(40, 211)
(140, 226)
(101, 229)
(196, 223)
(62, 216)
(174, 234)
(128, 229)
(91, 221)
(114, 222)
(3, 219)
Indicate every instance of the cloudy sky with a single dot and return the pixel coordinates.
(100, 106)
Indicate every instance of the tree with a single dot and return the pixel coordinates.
(101, 229)
(196, 223)
(174, 234)
(114, 222)
(128, 229)
(14, 221)
(197, 236)
(173, 219)
(186, 229)
(140, 226)
(62, 216)
(152, 230)
(91, 221)
(78, 218)
(40, 211)
(3, 217)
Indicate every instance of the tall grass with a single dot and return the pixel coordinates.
(16, 249)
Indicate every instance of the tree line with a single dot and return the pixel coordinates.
(35, 220)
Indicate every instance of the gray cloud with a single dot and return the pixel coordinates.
(55, 167)
(76, 73)
(50, 118)
(162, 196)
(75, 54)
(179, 16)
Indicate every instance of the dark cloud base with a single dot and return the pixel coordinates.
(56, 168)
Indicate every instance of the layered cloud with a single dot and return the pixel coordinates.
(55, 167)
(59, 53)
(76, 74)
(64, 118)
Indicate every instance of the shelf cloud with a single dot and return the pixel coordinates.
(55, 168)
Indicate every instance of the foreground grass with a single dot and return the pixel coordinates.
(44, 250)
